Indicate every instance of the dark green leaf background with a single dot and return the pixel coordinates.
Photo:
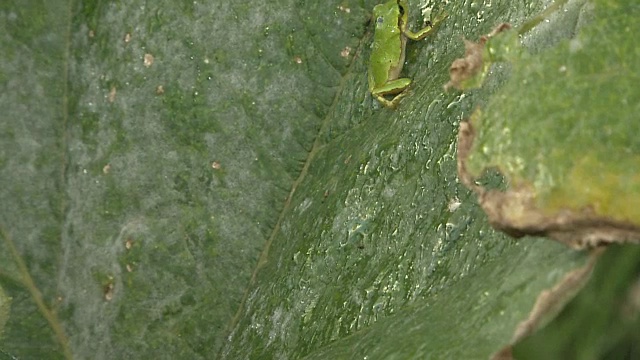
(241, 196)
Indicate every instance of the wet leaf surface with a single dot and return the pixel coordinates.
(192, 180)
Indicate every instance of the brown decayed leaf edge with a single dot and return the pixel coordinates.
(515, 212)
(465, 68)
(550, 302)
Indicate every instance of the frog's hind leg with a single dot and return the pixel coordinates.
(397, 87)
(393, 103)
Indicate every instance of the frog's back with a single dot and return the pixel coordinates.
(387, 55)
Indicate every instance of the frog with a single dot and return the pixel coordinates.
(388, 50)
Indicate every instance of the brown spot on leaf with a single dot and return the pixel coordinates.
(112, 94)
(148, 60)
(108, 290)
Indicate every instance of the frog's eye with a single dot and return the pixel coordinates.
(379, 20)
(401, 8)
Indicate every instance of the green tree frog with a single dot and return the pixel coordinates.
(388, 50)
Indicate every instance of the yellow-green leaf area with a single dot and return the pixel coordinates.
(565, 124)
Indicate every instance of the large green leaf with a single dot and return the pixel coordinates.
(155, 155)
(602, 322)
(147, 149)
(554, 127)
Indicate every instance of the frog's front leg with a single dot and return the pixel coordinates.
(419, 35)
(395, 87)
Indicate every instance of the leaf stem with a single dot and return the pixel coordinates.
(28, 282)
